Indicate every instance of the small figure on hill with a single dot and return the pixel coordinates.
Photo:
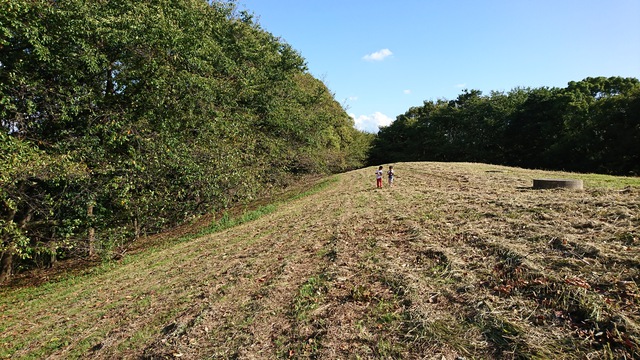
(379, 178)
(391, 175)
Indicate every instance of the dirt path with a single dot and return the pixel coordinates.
(455, 261)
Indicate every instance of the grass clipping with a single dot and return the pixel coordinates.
(455, 261)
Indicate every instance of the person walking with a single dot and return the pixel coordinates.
(379, 178)
(391, 175)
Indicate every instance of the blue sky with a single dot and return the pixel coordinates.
(381, 57)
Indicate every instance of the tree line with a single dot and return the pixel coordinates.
(592, 125)
(122, 118)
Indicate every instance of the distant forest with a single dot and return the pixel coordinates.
(122, 118)
(592, 125)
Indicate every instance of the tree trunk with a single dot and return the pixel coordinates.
(6, 265)
(6, 256)
(53, 249)
(91, 237)
(136, 228)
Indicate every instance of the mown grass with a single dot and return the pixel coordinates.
(455, 261)
(86, 285)
(227, 220)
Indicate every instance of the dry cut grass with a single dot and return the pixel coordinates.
(456, 261)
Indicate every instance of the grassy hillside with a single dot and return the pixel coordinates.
(456, 260)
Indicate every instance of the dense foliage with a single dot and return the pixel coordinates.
(592, 125)
(120, 118)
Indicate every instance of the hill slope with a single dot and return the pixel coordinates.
(457, 260)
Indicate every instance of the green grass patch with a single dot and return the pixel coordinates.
(608, 181)
(227, 221)
(301, 341)
(316, 188)
(309, 296)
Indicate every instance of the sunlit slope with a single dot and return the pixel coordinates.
(454, 260)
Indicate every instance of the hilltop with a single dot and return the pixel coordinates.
(458, 260)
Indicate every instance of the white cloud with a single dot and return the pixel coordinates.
(378, 55)
(353, 98)
(407, 92)
(371, 123)
(460, 86)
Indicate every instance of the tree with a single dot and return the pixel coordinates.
(591, 125)
(171, 109)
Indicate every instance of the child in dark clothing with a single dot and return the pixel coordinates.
(390, 174)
